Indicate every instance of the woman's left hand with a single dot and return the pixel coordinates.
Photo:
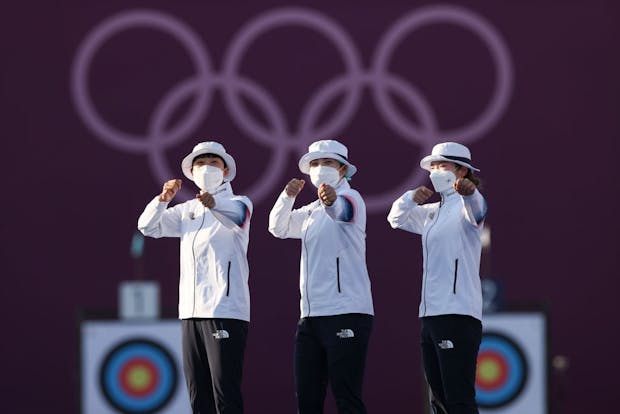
(206, 199)
(327, 194)
(464, 186)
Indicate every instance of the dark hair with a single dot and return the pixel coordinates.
(470, 175)
(208, 155)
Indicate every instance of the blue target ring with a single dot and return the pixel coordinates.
(501, 372)
(138, 376)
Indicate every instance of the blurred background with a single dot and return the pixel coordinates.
(102, 99)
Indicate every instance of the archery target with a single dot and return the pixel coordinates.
(138, 376)
(511, 376)
(501, 372)
(132, 367)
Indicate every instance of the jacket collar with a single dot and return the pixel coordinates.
(448, 196)
(342, 185)
(223, 188)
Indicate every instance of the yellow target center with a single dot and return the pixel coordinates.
(139, 378)
(488, 370)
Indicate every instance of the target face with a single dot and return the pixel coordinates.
(501, 372)
(138, 377)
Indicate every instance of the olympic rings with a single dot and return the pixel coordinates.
(276, 135)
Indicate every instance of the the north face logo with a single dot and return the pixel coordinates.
(221, 334)
(345, 333)
(446, 344)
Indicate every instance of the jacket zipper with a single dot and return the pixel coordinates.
(338, 273)
(307, 274)
(194, 256)
(228, 280)
(426, 258)
(456, 270)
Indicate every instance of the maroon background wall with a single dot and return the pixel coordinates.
(549, 162)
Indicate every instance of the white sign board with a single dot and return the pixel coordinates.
(138, 300)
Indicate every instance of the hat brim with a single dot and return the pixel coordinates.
(304, 162)
(426, 162)
(186, 164)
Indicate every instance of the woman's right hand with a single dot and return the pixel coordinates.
(170, 189)
(294, 186)
(421, 194)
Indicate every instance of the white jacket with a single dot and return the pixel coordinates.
(333, 276)
(451, 249)
(214, 266)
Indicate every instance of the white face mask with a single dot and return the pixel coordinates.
(442, 180)
(207, 177)
(324, 175)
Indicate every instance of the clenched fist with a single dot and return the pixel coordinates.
(327, 194)
(206, 199)
(171, 187)
(421, 194)
(294, 186)
(464, 186)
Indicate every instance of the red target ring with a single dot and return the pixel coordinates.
(492, 371)
(501, 371)
(138, 377)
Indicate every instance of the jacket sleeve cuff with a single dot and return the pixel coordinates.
(476, 206)
(158, 205)
(341, 210)
(407, 199)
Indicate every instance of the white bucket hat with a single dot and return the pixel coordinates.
(449, 151)
(209, 147)
(327, 148)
